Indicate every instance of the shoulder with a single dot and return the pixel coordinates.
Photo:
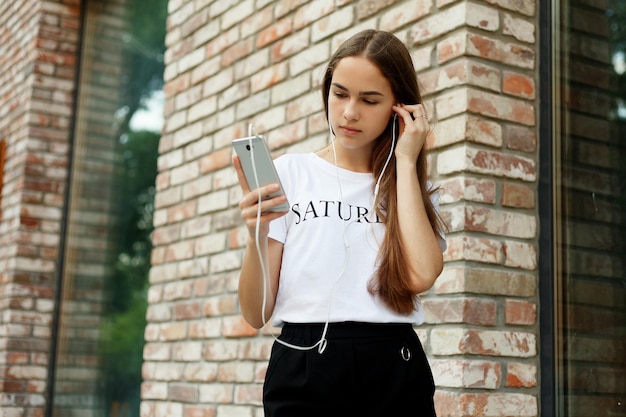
(291, 161)
(292, 157)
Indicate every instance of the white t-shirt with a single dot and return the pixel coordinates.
(321, 278)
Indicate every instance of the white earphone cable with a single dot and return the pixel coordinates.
(266, 281)
(393, 145)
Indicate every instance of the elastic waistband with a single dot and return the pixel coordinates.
(345, 330)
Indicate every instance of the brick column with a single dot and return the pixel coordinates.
(38, 45)
(483, 307)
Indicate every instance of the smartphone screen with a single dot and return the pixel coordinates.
(262, 172)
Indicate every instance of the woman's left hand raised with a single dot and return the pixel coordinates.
(414, 129)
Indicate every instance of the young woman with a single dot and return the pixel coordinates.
(341, 271)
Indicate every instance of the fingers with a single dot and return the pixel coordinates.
(245, 188)
(414, 128)
(251, 199)
(249, 203)
(255, 214)
(260, 199)
(250, 216)
(413, 113)
(414, 119)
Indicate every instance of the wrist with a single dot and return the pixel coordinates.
(403, 162)
(252, 236)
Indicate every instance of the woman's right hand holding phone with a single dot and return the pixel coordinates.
(249, 203)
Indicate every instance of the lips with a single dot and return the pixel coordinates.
(349, 130)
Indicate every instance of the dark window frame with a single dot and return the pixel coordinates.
(54, 326)
(545, 197)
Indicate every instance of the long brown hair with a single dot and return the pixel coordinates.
(390, 55)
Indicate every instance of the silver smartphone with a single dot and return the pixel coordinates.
(246, 148)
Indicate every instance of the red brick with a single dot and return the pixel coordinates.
(453, 404)
(269, 76)
(521, 138)
(520, 312)
(156, 352)
(521, 375)
(249, 394)
(451, 47)
(200, 411)
(474, 249)
(499, 222)
(223, 41)
(186, 311)
(184, 211)
(276, 31)
(173, 331)
(502, 107)
(236, 326)
(312, 12)
(520, 254)
(12, 386)
(499, 343)
(217, 306)
(518, 85)
(236, 52)
(285, 7)
(177, 290)
(517, 195)
(289, 46)
(177, 85)
(496, 50)
(468, 189)
(461, 310)
(487, 161)
(288, 134)
(465, 373)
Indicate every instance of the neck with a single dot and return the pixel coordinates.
(351, 160)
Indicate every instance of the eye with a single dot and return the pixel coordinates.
(339, 94)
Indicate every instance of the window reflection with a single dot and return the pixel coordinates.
(106, 262)
(591, 173)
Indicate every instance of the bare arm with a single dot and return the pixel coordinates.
(252, 280)
(260, 271)
(418, 238)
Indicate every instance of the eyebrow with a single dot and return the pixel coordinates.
(361, 93)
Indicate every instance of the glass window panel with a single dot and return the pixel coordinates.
(101, 322)
(590, 215)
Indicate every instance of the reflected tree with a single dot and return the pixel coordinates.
(123, 332)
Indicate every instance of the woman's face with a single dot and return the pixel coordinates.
(359, 103)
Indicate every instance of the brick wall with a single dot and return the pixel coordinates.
(38, 43)
(483, 310)
(230, 63)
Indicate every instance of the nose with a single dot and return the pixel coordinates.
(351, 111)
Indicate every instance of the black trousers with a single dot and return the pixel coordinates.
(366, 370)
